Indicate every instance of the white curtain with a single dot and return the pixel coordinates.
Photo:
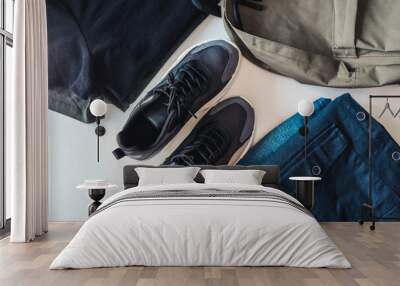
(26, 127)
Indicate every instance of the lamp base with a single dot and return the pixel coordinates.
(100, 130)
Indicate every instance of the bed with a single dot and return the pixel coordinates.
(199, 224)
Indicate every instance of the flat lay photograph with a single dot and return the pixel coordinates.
(199, 142)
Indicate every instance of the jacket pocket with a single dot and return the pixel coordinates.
(385, 165)
(323, 151)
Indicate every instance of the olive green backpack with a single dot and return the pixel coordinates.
(337, 43)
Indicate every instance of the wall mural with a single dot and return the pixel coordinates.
(337, 152)
(92, 54)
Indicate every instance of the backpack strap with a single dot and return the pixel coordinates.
(344, 34)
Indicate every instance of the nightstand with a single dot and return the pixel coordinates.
(305, 187)
(97, 190)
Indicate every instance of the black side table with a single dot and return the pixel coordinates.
(305, 187)
(96, 192)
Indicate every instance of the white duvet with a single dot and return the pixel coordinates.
(200, 231)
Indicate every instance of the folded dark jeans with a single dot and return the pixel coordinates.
(110, 49)
(338, 152)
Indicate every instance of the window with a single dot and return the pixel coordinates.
(6, 62)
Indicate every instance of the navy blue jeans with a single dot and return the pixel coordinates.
(338, 152)
(111, 48)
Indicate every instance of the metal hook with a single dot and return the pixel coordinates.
(387, 107)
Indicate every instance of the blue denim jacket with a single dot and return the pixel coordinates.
(338, 152)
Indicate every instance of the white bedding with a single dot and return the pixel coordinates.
(200, 231)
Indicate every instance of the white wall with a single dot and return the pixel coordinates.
(72, 153)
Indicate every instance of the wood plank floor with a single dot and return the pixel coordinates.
(375, 257)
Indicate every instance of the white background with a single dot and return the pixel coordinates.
(72, 153)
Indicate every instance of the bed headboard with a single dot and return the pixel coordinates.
(271, 177)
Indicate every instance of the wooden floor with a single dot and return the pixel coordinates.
(375, 257)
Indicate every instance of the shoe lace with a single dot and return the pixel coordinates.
(205, 149)
(179, 85)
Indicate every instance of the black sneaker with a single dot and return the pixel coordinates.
(196, 83)
(221, 137)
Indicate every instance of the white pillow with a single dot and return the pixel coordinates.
(248, 177)
(163, 176)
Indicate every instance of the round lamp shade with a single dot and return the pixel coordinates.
(98, 107)
(305, 107)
